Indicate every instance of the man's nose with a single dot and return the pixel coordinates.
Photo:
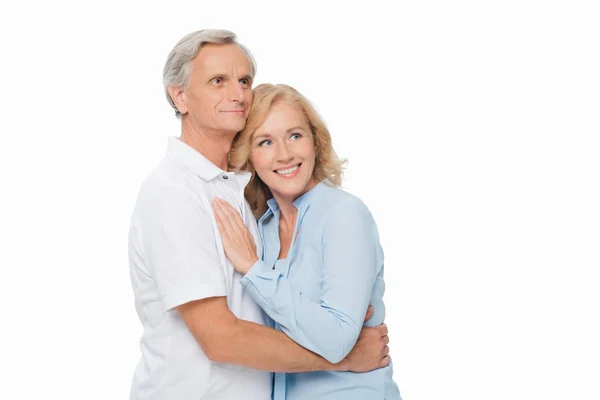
(235, 92)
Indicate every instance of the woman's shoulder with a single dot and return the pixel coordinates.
(338, 212)
(334, 199)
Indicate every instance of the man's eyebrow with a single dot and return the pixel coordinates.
(227, 76)
(215, 75)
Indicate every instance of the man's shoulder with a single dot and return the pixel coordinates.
(169, 172)
(169, 180)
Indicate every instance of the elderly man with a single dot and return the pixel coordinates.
(204, 337)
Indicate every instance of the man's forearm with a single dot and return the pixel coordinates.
(225, 338)
(267, 349)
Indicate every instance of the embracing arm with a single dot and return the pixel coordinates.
(225, 338)
(351, 257)
(177, 246)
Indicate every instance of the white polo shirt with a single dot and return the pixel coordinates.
(176, 256)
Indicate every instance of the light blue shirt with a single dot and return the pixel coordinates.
(319, 294)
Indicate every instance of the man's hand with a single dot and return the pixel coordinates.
(371, 350)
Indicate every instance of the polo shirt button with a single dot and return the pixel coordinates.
(225, 177)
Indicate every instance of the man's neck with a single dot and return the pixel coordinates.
(214, 146)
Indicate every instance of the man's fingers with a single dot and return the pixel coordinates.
(370, 311)
(383, 329)
(385, 361)
(386, 350)
(386, 339)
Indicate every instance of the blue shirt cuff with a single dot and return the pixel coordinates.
(259, 272)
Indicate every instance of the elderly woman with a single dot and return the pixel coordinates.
(322, 264)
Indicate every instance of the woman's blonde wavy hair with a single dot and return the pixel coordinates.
(327, 164)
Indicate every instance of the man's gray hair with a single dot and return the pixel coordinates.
(179, 63)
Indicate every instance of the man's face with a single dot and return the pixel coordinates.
(219, 90)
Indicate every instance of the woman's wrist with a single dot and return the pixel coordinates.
(243, 269)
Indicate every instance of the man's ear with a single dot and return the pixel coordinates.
(178, 96)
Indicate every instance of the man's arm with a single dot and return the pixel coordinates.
(189, 280)
(330, 326)
(225, 338)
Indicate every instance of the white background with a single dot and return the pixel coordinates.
(472, 133)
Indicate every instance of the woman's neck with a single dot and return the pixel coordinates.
(287, 224)
(288, 214)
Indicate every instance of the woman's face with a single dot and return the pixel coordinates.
(283, 152)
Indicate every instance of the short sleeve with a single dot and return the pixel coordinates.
(179, 247)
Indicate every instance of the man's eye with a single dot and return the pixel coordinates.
(217, 81)
(245, 82)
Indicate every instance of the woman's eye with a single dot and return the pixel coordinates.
(265, 143)
(295, 136)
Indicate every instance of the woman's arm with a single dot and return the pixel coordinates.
(352, 258)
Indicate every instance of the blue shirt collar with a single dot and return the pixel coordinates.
(300, 203)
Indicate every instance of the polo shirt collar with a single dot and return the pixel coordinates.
(195, 162)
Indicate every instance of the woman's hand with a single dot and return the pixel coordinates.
(238, 242)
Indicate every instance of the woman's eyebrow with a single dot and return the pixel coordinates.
(262, 136)
(294, 128)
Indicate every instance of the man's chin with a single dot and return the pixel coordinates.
(235, 128)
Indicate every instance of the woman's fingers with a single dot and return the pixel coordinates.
(234, 216)
(238, 243)
(237, 229)
(227, 213)
(222, 219)
(232, 225)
